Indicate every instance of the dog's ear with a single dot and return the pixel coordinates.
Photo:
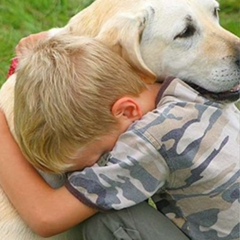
(123, 35)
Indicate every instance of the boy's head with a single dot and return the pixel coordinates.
(65, 89)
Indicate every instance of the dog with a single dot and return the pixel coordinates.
(181, 38)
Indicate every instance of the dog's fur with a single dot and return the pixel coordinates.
(158, 38)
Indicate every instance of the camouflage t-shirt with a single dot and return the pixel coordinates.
(185, 155)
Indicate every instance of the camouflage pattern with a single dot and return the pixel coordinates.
(185, 155)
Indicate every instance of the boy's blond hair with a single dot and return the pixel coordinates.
(64, 92)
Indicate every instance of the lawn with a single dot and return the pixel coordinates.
(19, 20)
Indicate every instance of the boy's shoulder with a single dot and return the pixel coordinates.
(183, 116)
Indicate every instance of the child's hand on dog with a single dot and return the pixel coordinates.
(29, 42)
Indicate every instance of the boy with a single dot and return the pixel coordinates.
(185, 155)
(59, 100)
(182, 155)
(60, 83)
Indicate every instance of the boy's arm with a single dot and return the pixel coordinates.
(45, 210)
(133, 171)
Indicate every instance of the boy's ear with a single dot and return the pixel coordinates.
(127, 108)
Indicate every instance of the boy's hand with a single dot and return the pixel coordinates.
(29, 42)
(25, 45)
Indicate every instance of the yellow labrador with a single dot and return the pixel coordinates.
(182, 38)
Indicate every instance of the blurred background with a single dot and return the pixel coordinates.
(20, 18)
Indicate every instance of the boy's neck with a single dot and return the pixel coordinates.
(88, 156)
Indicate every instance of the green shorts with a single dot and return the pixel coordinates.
(140, 222)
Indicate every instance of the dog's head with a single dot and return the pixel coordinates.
(182, 38)
(189, 43)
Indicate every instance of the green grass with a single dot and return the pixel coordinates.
(230, 12)
(20, 18)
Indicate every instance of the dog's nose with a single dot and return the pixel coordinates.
(238, 54)
(238, 62)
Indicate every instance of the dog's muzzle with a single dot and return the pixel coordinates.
(227, 96)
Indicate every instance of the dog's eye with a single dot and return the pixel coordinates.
(216, 11)
(187, 32)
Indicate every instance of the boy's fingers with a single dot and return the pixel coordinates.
(29, 42)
